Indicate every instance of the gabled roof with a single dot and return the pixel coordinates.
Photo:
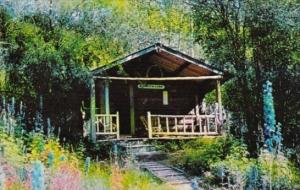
(173, 60)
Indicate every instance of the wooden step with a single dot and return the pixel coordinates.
(151, 156)
(167, 174)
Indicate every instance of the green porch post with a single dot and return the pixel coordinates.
(92, 110)
(132, 112)
(106, 97)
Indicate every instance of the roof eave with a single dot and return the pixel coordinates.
(157, 47)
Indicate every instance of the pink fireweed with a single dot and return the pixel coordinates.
(11, 176)
(65, 178)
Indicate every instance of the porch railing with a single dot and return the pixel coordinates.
(181, 125)
(107, 124)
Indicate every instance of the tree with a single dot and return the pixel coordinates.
(254, 40)
(50, 64)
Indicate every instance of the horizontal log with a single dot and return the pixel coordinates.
(159, 78)
(106, 133)
(184, 134)
(106, 115)
(182, 137)
(186, 116)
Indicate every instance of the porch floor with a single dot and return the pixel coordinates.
(130, 138)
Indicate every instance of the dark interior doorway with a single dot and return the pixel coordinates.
(119, 101)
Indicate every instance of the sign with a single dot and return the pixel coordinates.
(151, 86)
(165, 97)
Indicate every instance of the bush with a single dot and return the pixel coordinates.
(12, 149)
(198, 155)
(240, 171)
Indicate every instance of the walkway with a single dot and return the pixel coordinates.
(150, 160)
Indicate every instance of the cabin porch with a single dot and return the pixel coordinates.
(154, 93)
(120, 115)
(160, 126)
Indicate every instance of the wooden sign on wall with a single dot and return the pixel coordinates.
(151, 86)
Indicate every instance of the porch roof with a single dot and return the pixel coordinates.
(171, 60)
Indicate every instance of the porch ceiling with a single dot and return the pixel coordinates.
(173, 61)
(178, 67)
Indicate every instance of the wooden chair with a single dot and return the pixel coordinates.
(188, 123)
(145, 123)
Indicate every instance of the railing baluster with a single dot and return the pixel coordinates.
(205, 125)
(149, 124)
(200, 124)
(104, 123)
(176, 129)
(207, 131)
(97, 124)
(193, 124)
(158, 123)
(167, 124)
(216, 126)
(184, 127)
(110, 123)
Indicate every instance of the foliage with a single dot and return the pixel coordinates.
(60, 69)
(169, 146)
(283, 173)
(240, 171)
(198, 155)
(254, 40)
(41, 149)
(66, 177)
(59, 42)
(133, 179)
(225, 162)
(12, 149)
(2, 178)
(49, 165)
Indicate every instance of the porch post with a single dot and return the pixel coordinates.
(106, 97)
(219, 100)
(132, 113)
(149, 125)
(197, 105)
(92, 110)
(118, 125)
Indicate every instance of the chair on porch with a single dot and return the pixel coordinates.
(187, 122)
(145, 123)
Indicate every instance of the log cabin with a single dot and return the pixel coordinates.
(154, 93)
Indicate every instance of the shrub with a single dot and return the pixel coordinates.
(283, 173)
(134, 179)
(12, 149)
(197, 155)
(239, 171)
(49, 151)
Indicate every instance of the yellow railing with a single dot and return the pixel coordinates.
(181, 125)
(107, 124)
